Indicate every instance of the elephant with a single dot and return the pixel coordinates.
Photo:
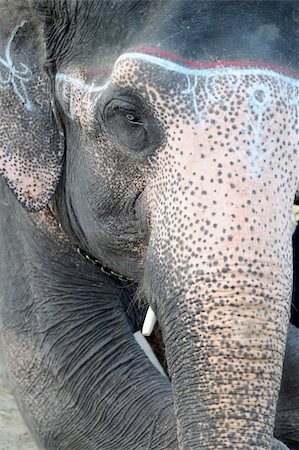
(149, 164)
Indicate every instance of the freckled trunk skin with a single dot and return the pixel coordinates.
(224, 311)
(224, 334)
(221, 285)
(225, 362)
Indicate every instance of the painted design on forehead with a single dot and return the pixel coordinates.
(210, 90)
(259, 99)
(232, 73)
(64, 79)
(206, 76)
(209, 78)
(183, 65)
(73, 91)
(11, 76)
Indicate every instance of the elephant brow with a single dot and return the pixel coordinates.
(191, 64)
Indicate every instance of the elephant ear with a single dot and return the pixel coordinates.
(31, 145)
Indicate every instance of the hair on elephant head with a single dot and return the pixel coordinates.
(161, 139)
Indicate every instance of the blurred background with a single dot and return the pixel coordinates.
(14, 434)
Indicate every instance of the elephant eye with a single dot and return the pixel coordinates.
(126, 123)
(132, 118)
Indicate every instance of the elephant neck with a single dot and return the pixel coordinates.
(46, 221)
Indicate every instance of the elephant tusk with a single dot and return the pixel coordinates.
(149, 322)
(148, 351)
(295, 216)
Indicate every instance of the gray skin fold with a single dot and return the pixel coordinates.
(75, 349)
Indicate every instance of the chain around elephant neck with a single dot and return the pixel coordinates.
(104, 269)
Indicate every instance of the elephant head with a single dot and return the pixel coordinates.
(179, 125)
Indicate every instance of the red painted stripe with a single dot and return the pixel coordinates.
(205, 65)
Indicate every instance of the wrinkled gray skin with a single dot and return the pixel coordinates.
(180, 176)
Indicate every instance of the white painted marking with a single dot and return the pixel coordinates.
(66, 87)
(16, 78)
(191, 89)
(175, 67)
(295, 103)
(255, 124)
(62, 77)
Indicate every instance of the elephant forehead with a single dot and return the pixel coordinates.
(196, 90)
(244, 117)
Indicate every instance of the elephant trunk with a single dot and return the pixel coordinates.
(225, 360)
(222, 301)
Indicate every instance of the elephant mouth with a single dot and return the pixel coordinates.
(150, 339)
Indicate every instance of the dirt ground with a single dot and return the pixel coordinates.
(14, 434)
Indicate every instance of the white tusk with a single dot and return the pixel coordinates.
(148, 351)
(149, 322)
(295, 216)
